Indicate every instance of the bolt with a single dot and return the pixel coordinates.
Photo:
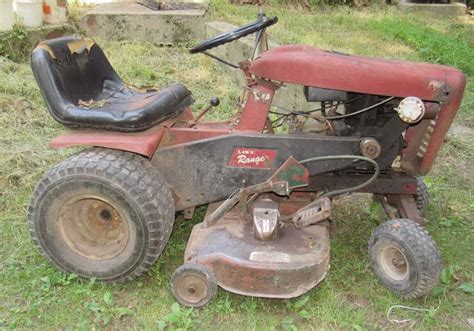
(192, 288)
(106, 215)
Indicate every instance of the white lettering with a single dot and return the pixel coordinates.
(244, 159)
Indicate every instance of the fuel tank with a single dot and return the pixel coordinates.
(310, 66)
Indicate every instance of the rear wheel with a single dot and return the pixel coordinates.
(405, 258)
(102, 213)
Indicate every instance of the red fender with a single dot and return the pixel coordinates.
(144, 143)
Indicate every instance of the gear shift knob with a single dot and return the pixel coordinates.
(215, 101)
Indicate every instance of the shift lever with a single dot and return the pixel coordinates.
(214, 102)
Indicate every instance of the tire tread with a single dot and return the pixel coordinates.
(421, 245)
(133, 174)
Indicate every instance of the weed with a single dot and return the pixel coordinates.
(179, 318)
(104, 311)
(14, 44)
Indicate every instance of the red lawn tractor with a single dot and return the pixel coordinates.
(107, 212)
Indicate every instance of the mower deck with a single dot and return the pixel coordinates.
(285, 267)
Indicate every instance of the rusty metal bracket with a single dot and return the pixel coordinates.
(385, 205)
(289, 176)
(242, 196)
(406, 205)
(317, 211)
(189, 213)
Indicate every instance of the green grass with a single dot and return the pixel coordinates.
(33, 295)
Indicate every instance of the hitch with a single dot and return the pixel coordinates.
(266, 220)
(289, 176)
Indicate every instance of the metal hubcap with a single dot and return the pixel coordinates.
(394, 263)
(192, 287)
(93, 228)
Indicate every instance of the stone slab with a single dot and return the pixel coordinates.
(133, 21)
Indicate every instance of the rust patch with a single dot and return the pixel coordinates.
(440, 89)
(242, 264)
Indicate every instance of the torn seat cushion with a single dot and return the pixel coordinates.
(82, 89)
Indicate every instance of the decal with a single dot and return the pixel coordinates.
(261, 96)
(275, 257)
(255, 158)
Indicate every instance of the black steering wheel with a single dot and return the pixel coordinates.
(233, 35)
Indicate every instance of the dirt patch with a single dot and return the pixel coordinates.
(358, 301)
(462, 132)
(465, 135)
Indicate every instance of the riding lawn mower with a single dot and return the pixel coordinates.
(376, 126)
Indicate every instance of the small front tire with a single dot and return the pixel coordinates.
(405, 258)
(422, 195)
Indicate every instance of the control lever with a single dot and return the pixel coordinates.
(214, 102)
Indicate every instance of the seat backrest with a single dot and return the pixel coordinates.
(69, 69)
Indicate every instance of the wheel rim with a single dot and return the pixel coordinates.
(192, 287)
(93, 227)
(394, 263)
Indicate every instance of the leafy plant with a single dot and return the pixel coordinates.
(106, 311)
(14, 44)
(466, 287)
(179, 318)
(287, 324)
(299, 307)
(448, 282)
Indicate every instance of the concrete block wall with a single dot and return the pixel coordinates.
(289, 97)
(132, 21)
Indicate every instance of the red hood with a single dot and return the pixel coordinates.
(310, 66)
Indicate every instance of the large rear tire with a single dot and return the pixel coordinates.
(102, 214)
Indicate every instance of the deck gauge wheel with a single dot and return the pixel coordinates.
(193, 285)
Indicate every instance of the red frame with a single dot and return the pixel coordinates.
(309, 66)
(252, 119)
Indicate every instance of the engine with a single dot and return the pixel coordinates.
(340, 113)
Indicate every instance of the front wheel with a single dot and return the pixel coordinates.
(422, 195)
(405, 258)
(102, 214)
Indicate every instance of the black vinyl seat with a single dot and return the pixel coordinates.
(82, 89)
